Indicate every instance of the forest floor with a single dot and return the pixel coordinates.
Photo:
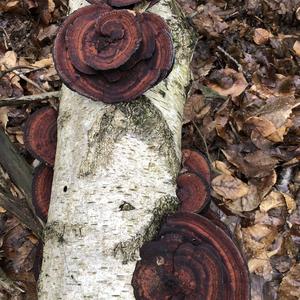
(242, 112)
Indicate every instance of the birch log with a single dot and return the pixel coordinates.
(114, 180)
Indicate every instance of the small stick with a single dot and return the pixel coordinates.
(28, 99)
(204, 141)
(29, 80)
(240, 68)
(3, 73)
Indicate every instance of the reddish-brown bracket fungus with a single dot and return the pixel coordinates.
(192, 191)
(41, 190)
(40, 134)
(121, 3)
(112, 55)
(196, 162)
(116, 3)
(193, 259)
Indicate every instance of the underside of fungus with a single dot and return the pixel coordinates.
(192, 259)
(41, 133)
(112, 55)
(41, 190)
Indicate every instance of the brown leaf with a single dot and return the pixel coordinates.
(208, 22)
(273, 200)
(256, 164)
(229, 187)
(261, 36)
(192, 107)
(227, 82)
(296, 48)
(222, 167)
(9, 60)
(264, 126)
(290, 285)
(3, 116)
(246, 203)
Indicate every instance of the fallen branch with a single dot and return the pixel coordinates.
(20, 209)
(15, 165)
(3, 73)
(28, 99)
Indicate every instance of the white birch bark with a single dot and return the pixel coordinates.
(114, 179)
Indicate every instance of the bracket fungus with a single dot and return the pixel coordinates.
(193, 192)
(196, 162)
(40, 135)
(120, 3)
(40, 140)
(112, 55)
(41, 190)
(192, 259)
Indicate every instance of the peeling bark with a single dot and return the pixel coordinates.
(114, 180)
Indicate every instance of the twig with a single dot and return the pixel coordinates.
(240, 68)
(29, 80)
(6, 38)
(28, 99)
(3, 73)
(16, 166)
(8, 285)
(204, 141)
(19, 208)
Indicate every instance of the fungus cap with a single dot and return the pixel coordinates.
(192, 191)
(192, 259)
(195, 162)
(40, 135)
(112, 55)
(41, 190)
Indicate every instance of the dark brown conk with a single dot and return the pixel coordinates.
(196, 162)
(193, 192)
(193, 259)
(40, 135)
(41, 190)
(112, 55)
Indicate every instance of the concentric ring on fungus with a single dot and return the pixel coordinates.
(193, 192)
(195, 162)
(192, 259)
(112, 55)
(40, 134)
(41, 190)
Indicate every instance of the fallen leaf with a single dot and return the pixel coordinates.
(51, 6)
(229, 187)
(263, 125)
(3, 116)
(8, 60)
(261, 36)
(192, 107)
(272, 200)
(296, 47)
(227, 82)
(2, 210)
(44, 63)
(207, 21)
(261, 266)
(248, 202)
(290, 203)
(222, 167)
(290, 285)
